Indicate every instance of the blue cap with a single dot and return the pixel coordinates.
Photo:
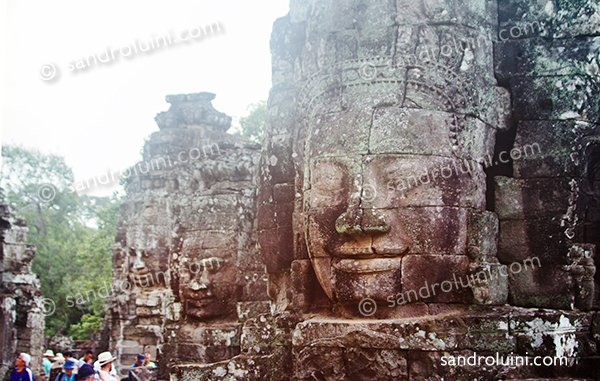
(69, 364)
(85, 371)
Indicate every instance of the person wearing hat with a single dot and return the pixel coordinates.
(86, 372)
(67, 374)
(59, 360)
(105, 360)
(21, 372)
(56, 367)
(48, 355)
(139, 361)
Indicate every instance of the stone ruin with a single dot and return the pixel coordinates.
(186, 269)
(22, 307)
(428, 188)
(420, 144)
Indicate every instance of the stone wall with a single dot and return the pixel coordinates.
(549, 57)
(22, 308)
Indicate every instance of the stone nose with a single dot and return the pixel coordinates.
(358, 221)
(202, 283)
(197, 286)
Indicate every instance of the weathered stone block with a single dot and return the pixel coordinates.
(549, 148)
(547, 19)
(537, 239)
(552, 333)
(303, 282)
(426, 230)
(373, 364)
(393, 181)
(383, 279)
(443, 277)
(482, 242)
(424, 333)
(556, 98)
(489, 283)
(542, 57)
(489, 331)
(548, 286)
(319, 363)
(519, 199)
(276, 249)
(263, 334)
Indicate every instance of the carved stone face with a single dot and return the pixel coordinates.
(208, 288)
(388, 194)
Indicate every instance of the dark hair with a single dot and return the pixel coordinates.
(68, 353)
(89, 352)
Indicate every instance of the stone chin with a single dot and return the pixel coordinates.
(351, 280)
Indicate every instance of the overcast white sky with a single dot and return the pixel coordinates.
(98, 118)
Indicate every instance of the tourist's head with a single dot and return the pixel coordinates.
(139, 360)
(22, 360)
(105, 360)
(86, 372)
(68, 366)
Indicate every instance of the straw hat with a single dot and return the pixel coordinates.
(59, 357)
(104, 358)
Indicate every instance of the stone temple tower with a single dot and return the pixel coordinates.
(186, 267)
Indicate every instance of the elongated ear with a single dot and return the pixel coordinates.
(275, 207)
(174, 256)
(276, 176)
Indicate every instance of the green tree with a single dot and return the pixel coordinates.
(252, 126)
(72, 233)
(86, 327)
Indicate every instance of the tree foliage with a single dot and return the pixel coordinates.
(86, 327)
(252, 126)
(72, 233)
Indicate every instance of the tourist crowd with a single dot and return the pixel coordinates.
(63, 367)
